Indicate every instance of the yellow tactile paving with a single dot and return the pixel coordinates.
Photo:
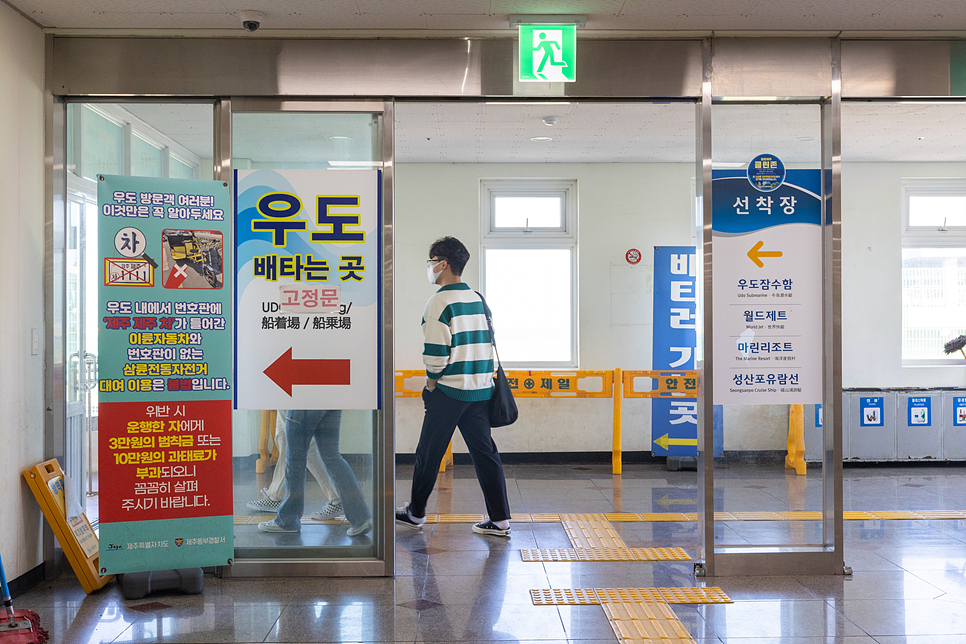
(852, 515)
(666, 516)
(617, 517)
(564, 597)
(581, 596)
(896, 515)
(605, 554)
(590, 531)
(757, 516)
(685, 595)
(545, 518)
(650, 623)
(942, 514)
(800, 515)
(460, 518)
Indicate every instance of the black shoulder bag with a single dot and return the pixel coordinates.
(503, 409)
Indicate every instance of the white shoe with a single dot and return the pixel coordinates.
(331, 510)
(356, 531)
(273, 526)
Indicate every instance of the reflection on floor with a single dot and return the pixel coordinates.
(908, 587)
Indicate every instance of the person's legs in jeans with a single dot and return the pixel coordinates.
(475, 427)
(297, 437)
(326, 430)
(439, 422)
(276, 490)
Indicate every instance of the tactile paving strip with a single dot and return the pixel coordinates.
(649, 623)
(581, 596)
(605, 554)
(591, 531)
(684, 595)
(564, 597)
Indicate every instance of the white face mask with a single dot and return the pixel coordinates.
(431, 275)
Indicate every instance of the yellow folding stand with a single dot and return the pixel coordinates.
(76, 537)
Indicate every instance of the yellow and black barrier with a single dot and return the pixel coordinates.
(664, 383)
(75, 535)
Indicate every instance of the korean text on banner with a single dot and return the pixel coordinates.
(307, 302)
(164, 369)
(767, 284)
(674, 421)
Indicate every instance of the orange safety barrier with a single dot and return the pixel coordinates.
(670, 383)
(578, 384)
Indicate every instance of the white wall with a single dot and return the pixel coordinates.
(621, 206)
(22, 286)
(872, 277)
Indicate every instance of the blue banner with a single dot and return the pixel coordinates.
(674, 421)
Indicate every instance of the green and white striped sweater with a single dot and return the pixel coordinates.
(456, 343)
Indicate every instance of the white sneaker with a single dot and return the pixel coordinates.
(273, 526)
(356, 531)
(332, 510)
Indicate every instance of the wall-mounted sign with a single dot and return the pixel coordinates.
(920, 412)
(959, 411)
(548, 53)
(307, 305)
(767, 284)
(871, 410)
(164, 367)
(633, 256)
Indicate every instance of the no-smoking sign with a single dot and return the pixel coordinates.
(633, 256)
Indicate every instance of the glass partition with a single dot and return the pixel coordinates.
(768, 325)
(133, 139)
(275, 453)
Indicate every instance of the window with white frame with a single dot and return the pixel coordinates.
(933, 268)
(529, 268)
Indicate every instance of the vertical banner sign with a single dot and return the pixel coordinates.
(164, 363)
(674, 421)
(548, 53)
(767, 284)
(307, 301)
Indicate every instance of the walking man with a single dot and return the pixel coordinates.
(458, 354)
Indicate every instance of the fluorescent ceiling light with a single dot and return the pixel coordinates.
(516, 19)
(541, 139)
(527, 103)
(354, 164)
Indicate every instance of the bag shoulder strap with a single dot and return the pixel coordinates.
(489, 323)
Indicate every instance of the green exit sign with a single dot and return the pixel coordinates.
(548, 53)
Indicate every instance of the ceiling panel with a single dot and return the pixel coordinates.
(854, 15)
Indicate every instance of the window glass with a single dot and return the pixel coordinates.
(103, 145)
(179, 170)
(145, 158)
(527, 212)
(532, 324)
(933, 300)
(937, 210)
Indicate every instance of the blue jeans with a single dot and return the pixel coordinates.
(301, 425)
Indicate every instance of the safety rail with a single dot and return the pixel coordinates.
(578, 384)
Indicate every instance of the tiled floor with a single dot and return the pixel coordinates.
(908, 587)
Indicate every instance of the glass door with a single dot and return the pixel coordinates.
(312, 487)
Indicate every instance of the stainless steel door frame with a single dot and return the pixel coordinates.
(826, 558)
(384, 449)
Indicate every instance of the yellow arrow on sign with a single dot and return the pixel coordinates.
(666, 502)
(664, 441)
(757, 252)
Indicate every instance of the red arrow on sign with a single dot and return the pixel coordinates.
(286, 372)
